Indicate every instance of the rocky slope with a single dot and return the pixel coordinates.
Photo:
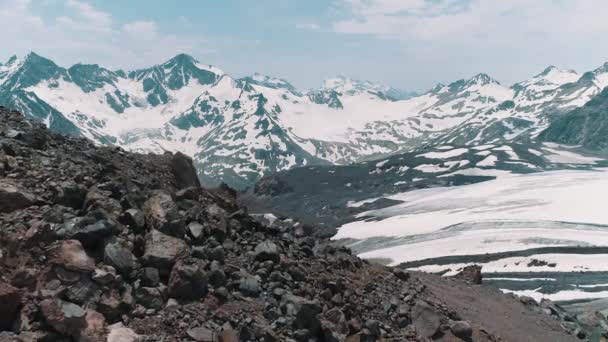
(100, 244)
(238, 130)
(586, 126)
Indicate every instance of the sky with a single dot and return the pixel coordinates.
(408, 44)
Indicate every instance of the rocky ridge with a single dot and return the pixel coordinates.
(97, 244)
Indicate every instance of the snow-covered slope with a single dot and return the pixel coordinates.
(240, 129)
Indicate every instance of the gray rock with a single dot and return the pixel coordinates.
(149, 297)
(65, 317)
(120, 257)
(12, 198)
(133, 218)
(162, 251)
(187, 281)
(425, 319)
(267, 250)
(202, 335)
(462, 329)
(250, 286)
(161, 213)
(195, 230)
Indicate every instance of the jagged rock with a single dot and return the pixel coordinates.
(120, 257)
(133, 218)
(162, 251)
(81, 291)
(471, 274)
(462, 329)
(187, 281)
(161, 213)
(267, 250)
(87, 230)
(110, 305)
(12, 198)
(228, 335)
(119, 333)
(250, 286)
(70, 194)
(70, 255)
(202, 335)
(425, 319)
(184, 171)
(10, 300)
(65, 317)
(149, 297)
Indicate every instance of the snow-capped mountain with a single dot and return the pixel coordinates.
(240, 129)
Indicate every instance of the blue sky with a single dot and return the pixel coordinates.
(410, 44)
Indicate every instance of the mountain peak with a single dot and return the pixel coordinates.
(182, 59)
(482, 79)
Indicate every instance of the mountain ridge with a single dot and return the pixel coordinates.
(239, 129)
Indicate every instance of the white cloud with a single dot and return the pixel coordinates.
(84, 33)
(141, 28)
(308, 26)
(510, 39)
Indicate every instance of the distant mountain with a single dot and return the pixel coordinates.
(238, 130)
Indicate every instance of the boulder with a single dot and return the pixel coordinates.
(150, 297)
(70, 255)
(470, 274)
(184, 171)
(161, 213)
(70, 194)
(65, 317)
(117, 255)
(12, 198)
(162, 251)
(149, 277)
(425, 319)
(462, 329)
(11, 303)
(267, 250)
(187, 281)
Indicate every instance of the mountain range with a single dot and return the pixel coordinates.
(240, 129)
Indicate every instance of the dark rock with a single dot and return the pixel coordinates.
(150, 277)
(10, 300)
(462, 329)
(470, 274)
(133, 218)
(81, 291)
(267, 250)
(149, 297)
(12, 198)
(70, 255)
(425, 319)
(65, 317)
(110, 305)
(120, 257)
(184, 171)
(70, 194)
(187, 281)
(401, 274)
(24, 277)
(162, 251)
(307, 318)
